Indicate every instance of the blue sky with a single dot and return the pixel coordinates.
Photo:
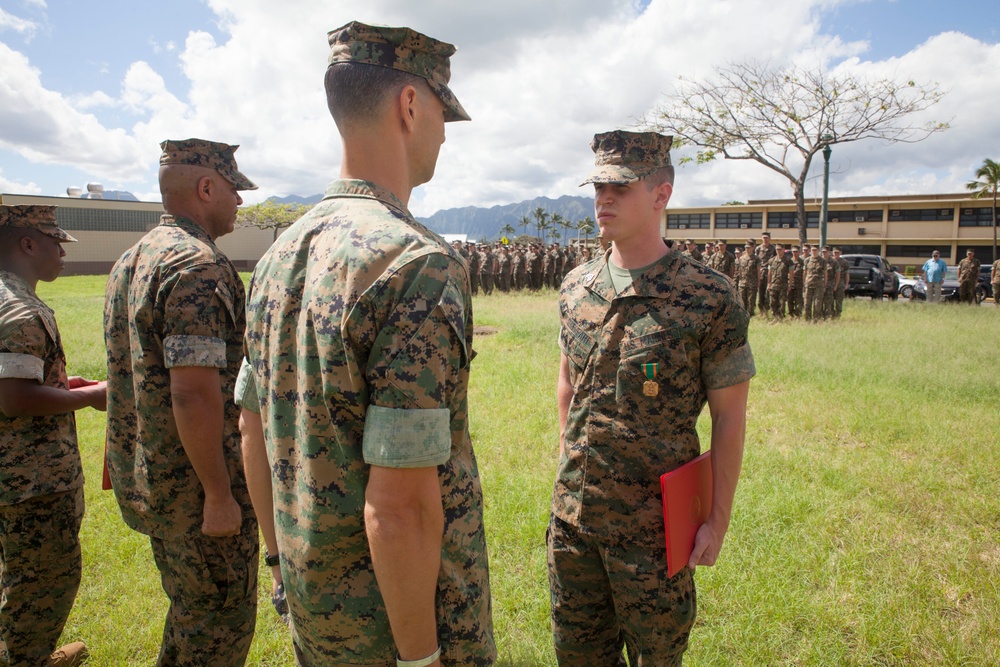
(90, 88)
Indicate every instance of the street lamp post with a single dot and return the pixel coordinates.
(826, 189)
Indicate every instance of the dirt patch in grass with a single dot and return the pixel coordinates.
(484, 331)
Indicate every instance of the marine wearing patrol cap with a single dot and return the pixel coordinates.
(42, 218)
(208, 154)
(400, 49)
(625, 157)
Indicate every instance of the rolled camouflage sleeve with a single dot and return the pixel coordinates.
(726, 358)
(198, 313)
(23, 350)
(246, 389)
(415, 364)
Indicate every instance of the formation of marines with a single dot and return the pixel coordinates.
(519, 266)
(809, 283)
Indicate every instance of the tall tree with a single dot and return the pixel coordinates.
(558, 223)
(782, 117)
(507, 230)
(270, 214)
(524, 223)
(541, 221)
(586, 226)
(986, 185)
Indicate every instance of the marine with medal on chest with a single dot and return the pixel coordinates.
(647, 337)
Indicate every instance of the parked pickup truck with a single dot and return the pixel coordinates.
(871, 275)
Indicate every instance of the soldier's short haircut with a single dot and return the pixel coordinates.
(778, 245)
(10, 238)
(659, 177)
(356, 92)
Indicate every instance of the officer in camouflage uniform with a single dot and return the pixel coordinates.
(830, 286)
(844, 278)
(968, 277)
(41, 479)
(796, 273)
(777, 281)
(765, 252)
(174, 322)
(505, 269)
(722, 260)
(474, 264)
(747, 268)
(359, 338)
(518, 272)
(814, 272)
(647, 335)
(995, 282)
(691, 250)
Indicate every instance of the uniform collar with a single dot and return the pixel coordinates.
(188, 225)
(656, 281)
(16, 282)
(349, 187)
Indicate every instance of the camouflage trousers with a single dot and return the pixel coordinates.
(795, 302)
(763, 302)
(776, 297)
(474, 281)
(813, 302)
(607, 596)
(967, 292)
(486, 280)
(828, 300)
(996, 294)
(748, 295)
(212, 586)
(838, 302)
(40, 570)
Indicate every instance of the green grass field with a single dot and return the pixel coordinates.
(867, 523)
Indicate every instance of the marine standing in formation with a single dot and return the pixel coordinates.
(41, 476)
(814, 277)
(968, 277)
(723, 261)
(843, 280)
(796, 277)
(174, 319)
(765, 252)
(359, 337)
(777, 281)
(647, 336)
(747, 269)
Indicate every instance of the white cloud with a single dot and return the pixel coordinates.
(7, 185)
(17, 24)
(539, 79)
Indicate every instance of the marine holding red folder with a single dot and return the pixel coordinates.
(647, 337)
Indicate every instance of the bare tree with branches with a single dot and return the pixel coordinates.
(782, 117)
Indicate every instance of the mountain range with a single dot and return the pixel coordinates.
(483, 224)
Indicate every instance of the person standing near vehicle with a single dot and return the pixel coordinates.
(815, 284)
(933, 273)
(647, 336)
(995, 282)
(843, 280)
(41, 476)
(968, 277)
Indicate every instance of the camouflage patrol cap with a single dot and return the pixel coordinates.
(208, 154)
(400, 49)
(625, 157)
(42, 218)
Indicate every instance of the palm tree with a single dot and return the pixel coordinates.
(507, 230)
(557, 222)
(524, 222)
(587, 227)
(986, 185)
(541, 221)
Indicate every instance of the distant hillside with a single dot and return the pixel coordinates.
(485, 223)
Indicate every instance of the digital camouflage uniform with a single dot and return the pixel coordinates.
(486, 270)
(360, 351)
(832, 276)
(724, 263)
(777, 284)
(41, 487)
(841, 290)
(764, 255)
(475, 261)
(174, 300)
(796, 278)
(505, 271)
(995, 282)
(747, 269)
(607, 518)
(968, 278)
(518, 271)
(814, 272)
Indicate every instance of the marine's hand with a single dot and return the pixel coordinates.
(95, 393)
(707, 545)
(221, 517)
(77, 381)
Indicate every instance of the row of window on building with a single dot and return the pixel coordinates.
(968, 217)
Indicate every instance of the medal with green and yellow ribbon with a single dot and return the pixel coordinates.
(650, 387)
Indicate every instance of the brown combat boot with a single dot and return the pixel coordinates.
(69, 655)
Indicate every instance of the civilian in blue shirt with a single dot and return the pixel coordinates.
(933, 274)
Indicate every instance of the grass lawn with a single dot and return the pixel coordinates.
(867, 522)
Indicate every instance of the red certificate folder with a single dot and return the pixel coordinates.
(687, 500)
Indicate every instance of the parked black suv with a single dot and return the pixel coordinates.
(871, 275)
